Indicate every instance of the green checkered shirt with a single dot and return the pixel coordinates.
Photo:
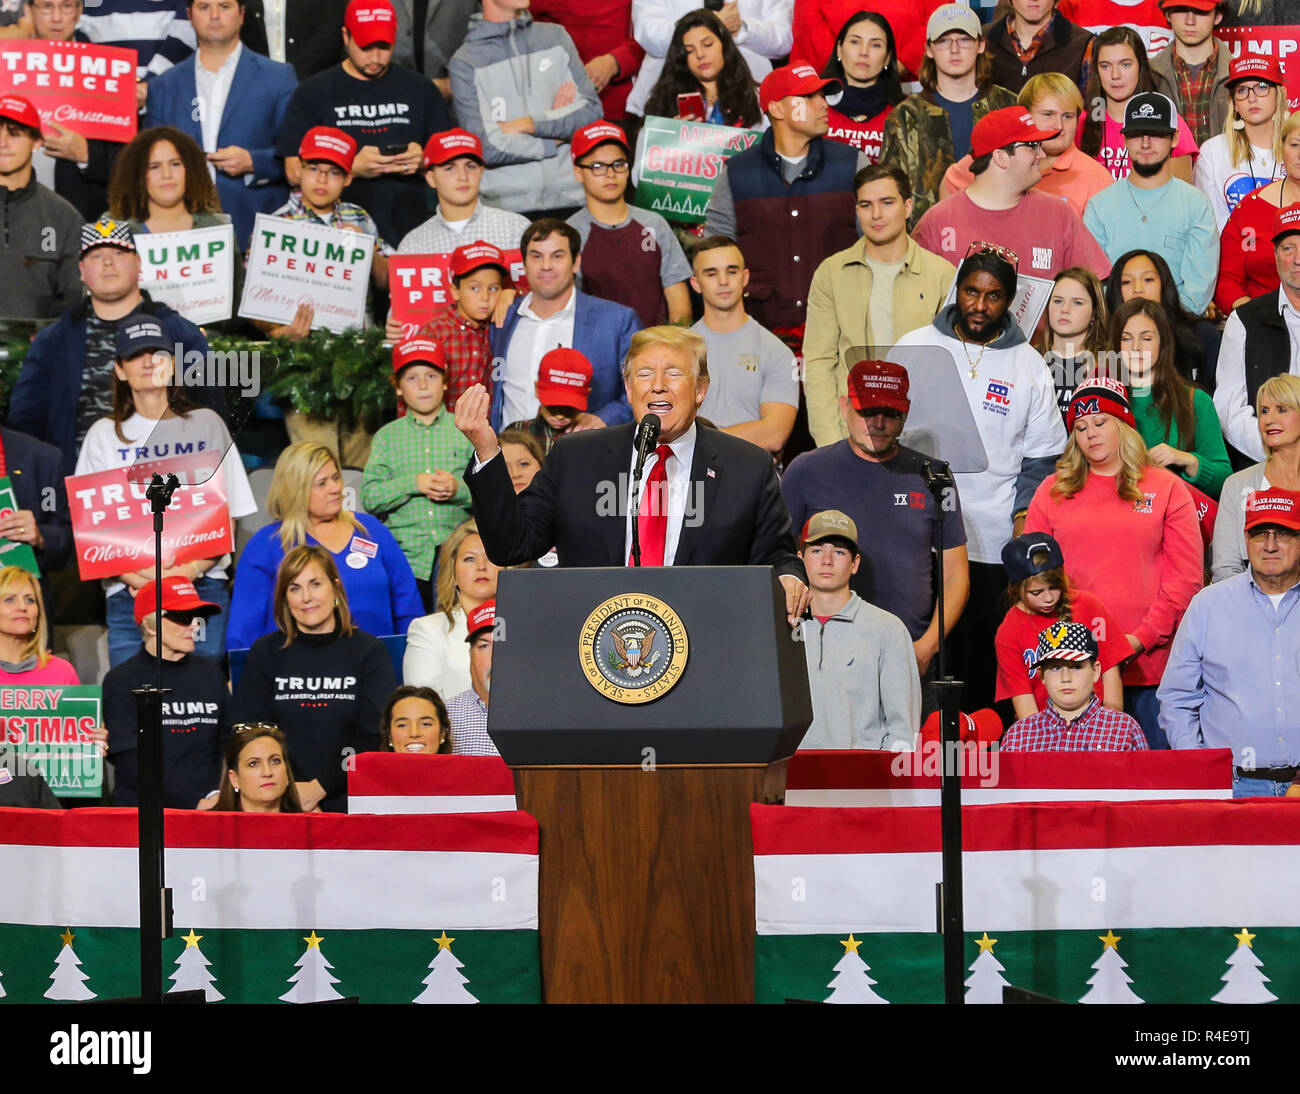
(402, 450)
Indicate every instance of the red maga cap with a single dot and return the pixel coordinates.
(1195, 5)
(482, 618)
(418, 351)
(874, 384)
(594, 135)
(178, 595)
(791, 80)
(371, 21)
(564, 379)
(451, 144)
(324, 142)
(983, 727)
(1101, 395)
(1274, 506)
(999, 128)
(16, 108)
(476, 255)
(1254, 67)
(1288, 221)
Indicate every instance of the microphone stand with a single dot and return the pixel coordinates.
(939, 480)
(155, 897)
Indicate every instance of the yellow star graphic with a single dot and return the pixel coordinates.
(1245, 938)
(1110, 938)
(67, 936)
(986, 943)
(191, 939)
(443, 941)
(850, 944)
(313, 942)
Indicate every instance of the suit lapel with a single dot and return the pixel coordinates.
(620, 457)
(705, 472)
(242, 80)
(583, 322)
(189, 122)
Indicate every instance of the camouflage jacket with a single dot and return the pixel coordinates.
(918, 139)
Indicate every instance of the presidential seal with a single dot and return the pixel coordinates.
(633, 648)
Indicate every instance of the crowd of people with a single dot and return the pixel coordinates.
(1063, 257)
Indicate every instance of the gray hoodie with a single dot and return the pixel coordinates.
(504, 71)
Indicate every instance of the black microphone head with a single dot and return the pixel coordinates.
(647, 433)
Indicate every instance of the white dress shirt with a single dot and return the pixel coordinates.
(679, 484)
(273, 21)
(532, 339)
(1236, 416)
(213, 88)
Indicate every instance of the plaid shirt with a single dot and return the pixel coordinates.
(467, 714)
(400, 451)
(536, 427)
(344, 215)
(1035, 43)
(1097, 729)
(1195, 89)
(467, 350)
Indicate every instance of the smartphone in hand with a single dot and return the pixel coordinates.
(691, 105)
(392, 149)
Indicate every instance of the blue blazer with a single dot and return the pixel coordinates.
(254, 113)
(601, 332)
(36, 472)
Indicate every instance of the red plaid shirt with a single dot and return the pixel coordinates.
(1035, 43)
(1097, 729)
(1194, 89)
(468, 353)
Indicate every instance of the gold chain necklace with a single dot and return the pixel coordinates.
(974, 365)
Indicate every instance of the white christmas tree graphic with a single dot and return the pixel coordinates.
(445, 984)
(1243, 982)
(853, 982)
(192, 970)
(986, 982)
(67, 977)
(2, 987)
(1111, 982)
(312, 982)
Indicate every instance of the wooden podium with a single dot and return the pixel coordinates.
(647, 875)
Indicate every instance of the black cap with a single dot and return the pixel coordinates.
(1150, 112)
(1018, 555)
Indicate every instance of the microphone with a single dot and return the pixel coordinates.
(647, 437)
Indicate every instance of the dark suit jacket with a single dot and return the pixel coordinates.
(577, 504)
(35, 466)
(312, 42)
(602, 331)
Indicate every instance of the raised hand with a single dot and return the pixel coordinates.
(472, 410)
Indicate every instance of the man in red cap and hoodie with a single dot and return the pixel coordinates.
(788, 200)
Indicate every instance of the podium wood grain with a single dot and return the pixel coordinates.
(647, 880)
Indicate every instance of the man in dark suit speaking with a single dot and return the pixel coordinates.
(707, 498)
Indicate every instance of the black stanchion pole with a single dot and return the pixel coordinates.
(939, 481)
(155, 897)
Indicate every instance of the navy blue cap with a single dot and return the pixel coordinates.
(139, 332)
(1018, 555)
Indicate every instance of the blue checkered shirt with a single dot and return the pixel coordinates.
(468, 716)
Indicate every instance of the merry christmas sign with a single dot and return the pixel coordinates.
(291, 908)
(1092, 902)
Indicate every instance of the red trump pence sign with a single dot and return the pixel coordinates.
(419, 286)
(112, 520)
(87, 88)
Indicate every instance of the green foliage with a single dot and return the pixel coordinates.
(13, 349)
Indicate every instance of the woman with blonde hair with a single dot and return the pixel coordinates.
(1247, 266)
(1130, 531)
(437, 653)
(258, 777)
(1277, 410)
(25, 657)
(306, 502)
(1248, 153)
(319, 677)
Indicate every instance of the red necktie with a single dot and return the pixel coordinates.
(652, 515)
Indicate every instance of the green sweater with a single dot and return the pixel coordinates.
(1209, 449)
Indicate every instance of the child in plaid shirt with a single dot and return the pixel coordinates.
(414, 478)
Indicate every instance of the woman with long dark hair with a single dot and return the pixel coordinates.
(1075, 331)
(258, 776)
(1146, 274)
(161, 183)
(702, 59)
(865, 61)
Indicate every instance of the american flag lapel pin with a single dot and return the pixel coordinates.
(710, 473)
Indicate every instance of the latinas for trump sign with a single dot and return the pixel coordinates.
(680, 163)
(293, 262)
(192, 272)
(89, 89)
(112, 519)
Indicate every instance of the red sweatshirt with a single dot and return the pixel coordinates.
(597, 29)
(1246, 263)
(1145, 561)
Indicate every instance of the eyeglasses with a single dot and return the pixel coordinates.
(619, 167)
(325, 170)
(1242, 92)
(1034, 146)
(1281, 535)
(955, 41)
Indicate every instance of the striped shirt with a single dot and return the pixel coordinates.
(468, 716)
(1097, 729)
(401, 450)
(158, 30)
(345, 214)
